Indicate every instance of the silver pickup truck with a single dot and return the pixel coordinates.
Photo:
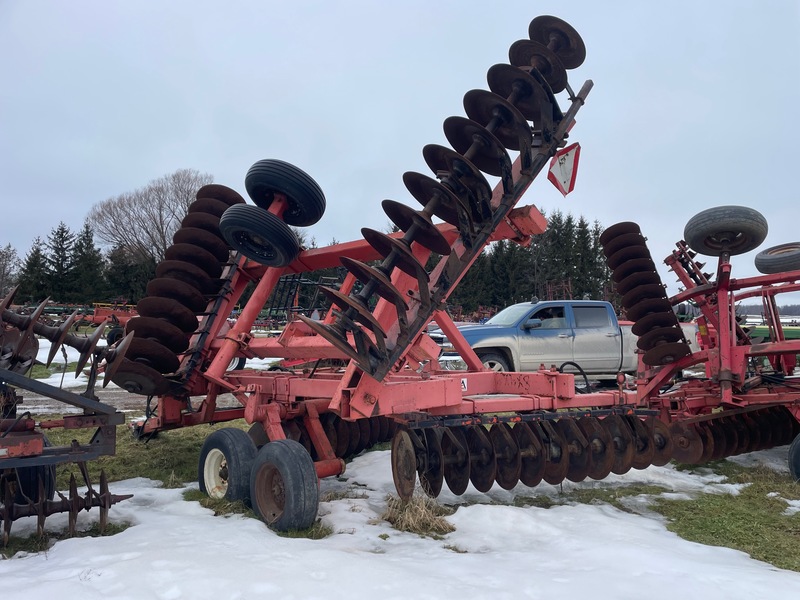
(524, 336)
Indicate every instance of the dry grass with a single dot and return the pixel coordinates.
(421, 515)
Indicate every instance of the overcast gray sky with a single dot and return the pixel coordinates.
(695, 104)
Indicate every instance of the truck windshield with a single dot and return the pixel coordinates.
(509, 316)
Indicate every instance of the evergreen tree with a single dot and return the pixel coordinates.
(86, 280)
(59, 258)
(8, 269)
(34, 279)
(127, 275)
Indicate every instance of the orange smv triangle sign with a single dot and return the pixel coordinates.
(564, 168)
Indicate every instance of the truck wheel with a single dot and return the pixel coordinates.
(794, 458)
(305, 198)
(259, 235)
(225, 463)
(284, 487)
(732, 229)
(778, 259)
(494, 362)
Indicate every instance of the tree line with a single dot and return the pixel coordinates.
(115, 253)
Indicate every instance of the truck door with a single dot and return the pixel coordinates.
(598, 345)
(545, 337)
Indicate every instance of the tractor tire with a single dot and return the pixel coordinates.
(284, 488)
(731, 229)
(259, 235)
(494, 362)
(114, 335)
(779, 259)
(305, 197)
(794, 459)
(225, 462)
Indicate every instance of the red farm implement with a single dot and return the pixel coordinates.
(446, 427)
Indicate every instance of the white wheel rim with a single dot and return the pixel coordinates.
(216, 485)
(493, 365)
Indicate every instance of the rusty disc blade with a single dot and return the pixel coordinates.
(208, 206)
(765, 427)
(531, 451)
(196, 255)
(404, 464)
(114, 358)
(482, 468)
(687, 443)
(443, 161)
(556, 453)
(366, 274)
(204, 221)
(518, 88)
(654, 321)
(168, 309)
(623, 241)
(220, 192)
(383, 429)
(206, 240)
(507, 456)
(327, 420)
(363, 316)
(648, 307)
(713, 429)
(754, 432)
(731, 435)
(662, 442)
(342, 437)
(137, 378)
(529, 54)
(55, 340)
(637, 279)
(184, 293)
(577, 447)
(88, 347)
(628, 253)
(643, 292)
(601, 447)
(624, 447)
(500, 116)
(455, 453)
(561, 38)
(643, 442)
(742, 434)
(354, 437)
(364, 434)
(333, 336)
(404, 258)
(618, 229)
(666, 354)
(431, 477)
(486, 151)
(708, 442)
(160, 330)
(425, 232)
(184, 271)
(149, 352)
(628, 268)
(430, 192)
(658, 336)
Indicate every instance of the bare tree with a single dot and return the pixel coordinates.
(144, 221)
(8, 269)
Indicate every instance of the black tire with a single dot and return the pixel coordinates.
(284, 487)
(259, 235)
(494, 361)
(794, 459)
(779, 259)
(237, 363)
(305, 197)
(114, 335)
(224, 466)
(732, 229)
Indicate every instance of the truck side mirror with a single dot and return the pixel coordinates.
(532, 324)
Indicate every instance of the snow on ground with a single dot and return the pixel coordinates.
(177, 549)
